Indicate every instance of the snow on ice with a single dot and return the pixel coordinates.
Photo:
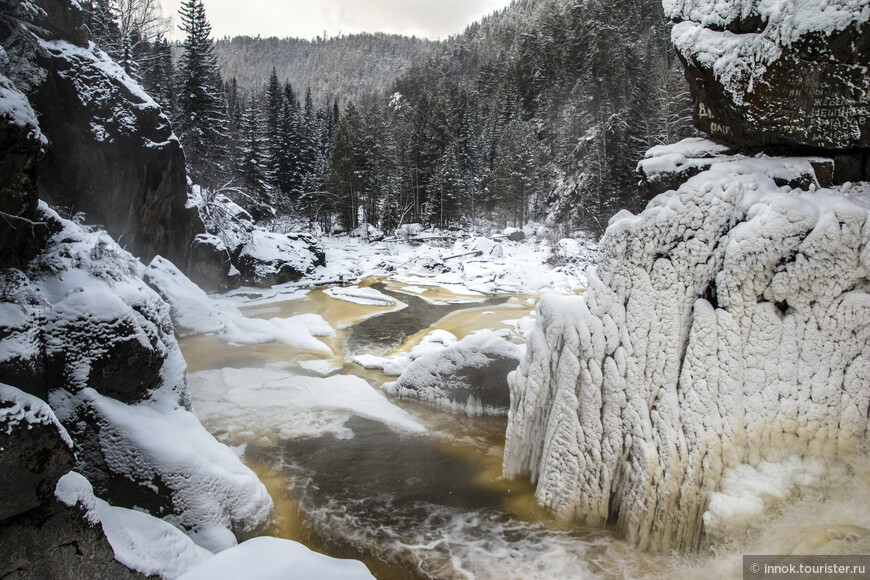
(195, 313)
(726, 325)
(294, 405)
(276, 559)
(365, 296)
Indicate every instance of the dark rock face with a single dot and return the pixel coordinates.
(110, 150)
(767, 79)
(33, 452)
(21, 149)
(57, 542)
(112, 154)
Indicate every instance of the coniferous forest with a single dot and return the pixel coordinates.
(537, 113)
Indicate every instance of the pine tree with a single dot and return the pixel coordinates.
(515, 173)
(201, 122)
(253, 169)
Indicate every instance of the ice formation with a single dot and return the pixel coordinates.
(727, 325)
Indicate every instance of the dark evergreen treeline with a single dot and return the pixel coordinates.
(539, 112)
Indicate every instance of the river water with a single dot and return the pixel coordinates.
(432, 503)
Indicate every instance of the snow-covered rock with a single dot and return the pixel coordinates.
(368, 232)
(140, 541)
(35, 451)
(159, 457)
(486, 247)
(727, 324)
(78, 315)
(468, 376)
(269, 258)
(514, 234)
(747, 64)
(666, 167)
(409, 230)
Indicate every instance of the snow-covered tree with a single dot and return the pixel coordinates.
(201, 117)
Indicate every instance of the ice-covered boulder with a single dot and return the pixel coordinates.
(726, 325)
(777, 73)
(468, 376)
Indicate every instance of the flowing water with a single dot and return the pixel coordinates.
(433, 504)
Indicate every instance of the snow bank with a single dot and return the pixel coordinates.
(727, 324)
(141, 542)
(275, 559)
(212, 493)
(365, 296)
(195, 313)
(520, 268)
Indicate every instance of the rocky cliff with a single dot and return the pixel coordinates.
(780, 75)
(93, 379)
(109, 151)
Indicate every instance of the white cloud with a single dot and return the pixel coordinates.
(307, 19)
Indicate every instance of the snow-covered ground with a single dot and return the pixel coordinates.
(470, 266)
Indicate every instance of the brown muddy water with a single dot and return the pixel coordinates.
(433, 504)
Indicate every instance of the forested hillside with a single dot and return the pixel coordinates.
(342, 68)
(540, 112)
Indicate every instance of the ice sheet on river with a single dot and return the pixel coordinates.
(235, 400)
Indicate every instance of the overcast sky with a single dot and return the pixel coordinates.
(311, 18)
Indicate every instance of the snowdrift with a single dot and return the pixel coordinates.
(726, 326)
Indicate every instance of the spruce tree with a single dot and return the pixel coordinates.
(201, 122)
(253, 169)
